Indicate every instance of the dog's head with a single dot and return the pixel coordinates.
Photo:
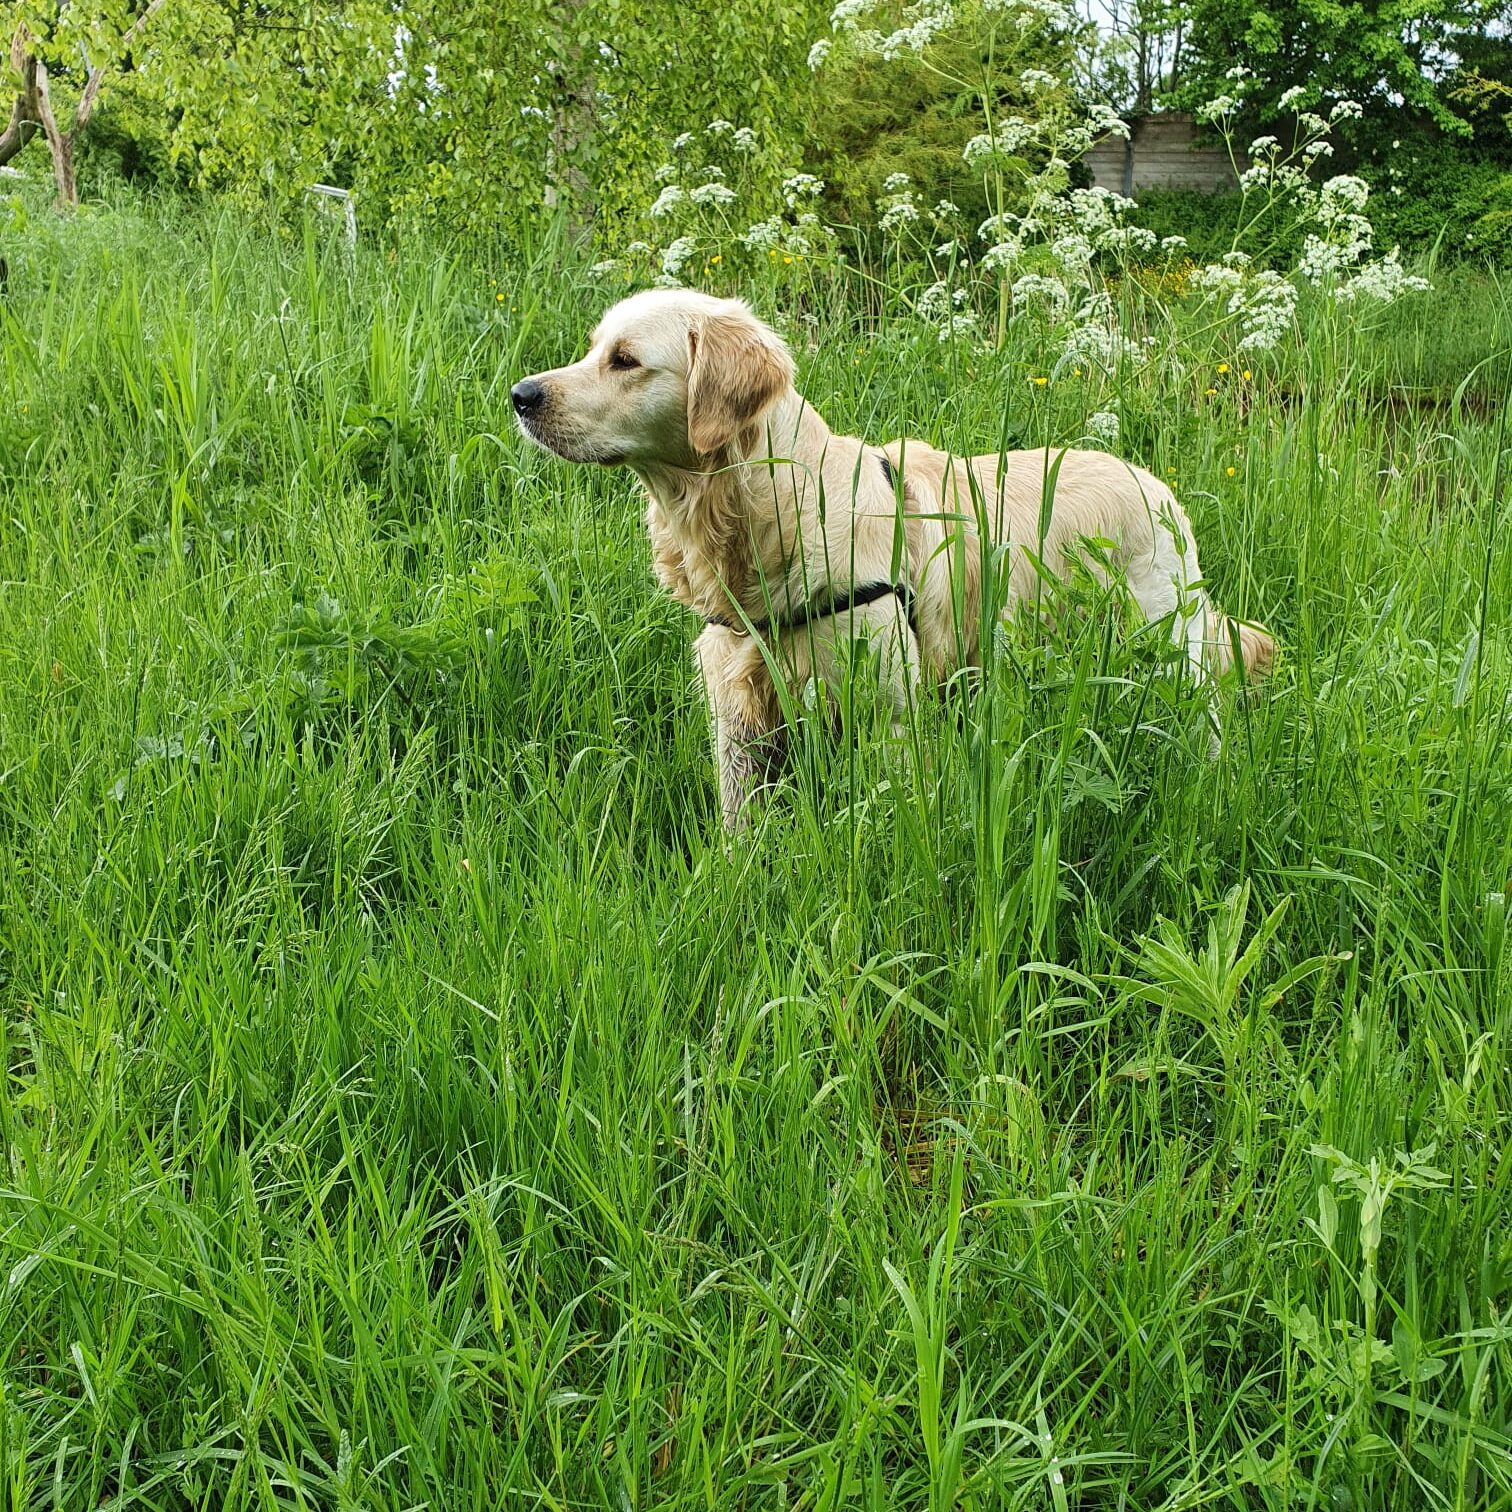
(671, 376)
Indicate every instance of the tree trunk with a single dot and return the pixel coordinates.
(23, 121)
(60, 143)
(573, 97)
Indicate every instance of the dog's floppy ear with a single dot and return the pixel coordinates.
(736, 368)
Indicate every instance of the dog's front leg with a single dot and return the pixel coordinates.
(747, 761)
(743, 705)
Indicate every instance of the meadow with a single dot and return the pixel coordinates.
(410, 1100)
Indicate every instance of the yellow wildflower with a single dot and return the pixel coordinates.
(1247, 375)
(1223, 367)
(1210, 392)
(1039, 382)
(1231, 471)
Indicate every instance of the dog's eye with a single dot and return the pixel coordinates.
(622, 362)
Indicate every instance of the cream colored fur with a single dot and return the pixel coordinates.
(757, 508)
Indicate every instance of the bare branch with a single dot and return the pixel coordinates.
(23, 121)
(87, 99)
(20, 131)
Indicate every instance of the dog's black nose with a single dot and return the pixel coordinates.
(528, 396)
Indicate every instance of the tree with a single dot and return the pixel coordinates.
(1141, 57)
(1390, 56)
(42, 47)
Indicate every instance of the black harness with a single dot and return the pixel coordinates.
(830, 603)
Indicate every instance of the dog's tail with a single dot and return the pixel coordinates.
(1255, 645)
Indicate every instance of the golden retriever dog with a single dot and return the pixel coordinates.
(794, 543)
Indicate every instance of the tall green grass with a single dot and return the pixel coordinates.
(410, 1101)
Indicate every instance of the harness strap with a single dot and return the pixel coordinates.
(830, 603)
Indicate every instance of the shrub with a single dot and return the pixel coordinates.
(1432, 193)
(1211, 222)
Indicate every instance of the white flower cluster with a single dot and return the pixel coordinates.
(1342, 196)
(1217, 279)
(899, 206)
(930, 18)
(847, 15)
(675, 258)
(1102, 428)
(668, 200)
(1031, 13)
(1261, 304)
(945, 309)
(804, 237)
(1131, 241)
(1030, 287)
(1281, 180)
(1383, 281)
(982, 152)
(764, 236)
(1103, 120)
(1094, 338)
(801, 186)
(962, 323)
(938, 301)
(1074, 252)
(1265, 309)
(1347, 234)
(689, 190)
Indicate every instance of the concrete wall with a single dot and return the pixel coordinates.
(1161, 154)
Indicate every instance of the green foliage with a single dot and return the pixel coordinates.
(455, 115)
(462, 117)
(1386, 57)
(914, 114)
(1436, 197)
(1438, 193)
(408, 1096)
(128, 140)
(1210, 223)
